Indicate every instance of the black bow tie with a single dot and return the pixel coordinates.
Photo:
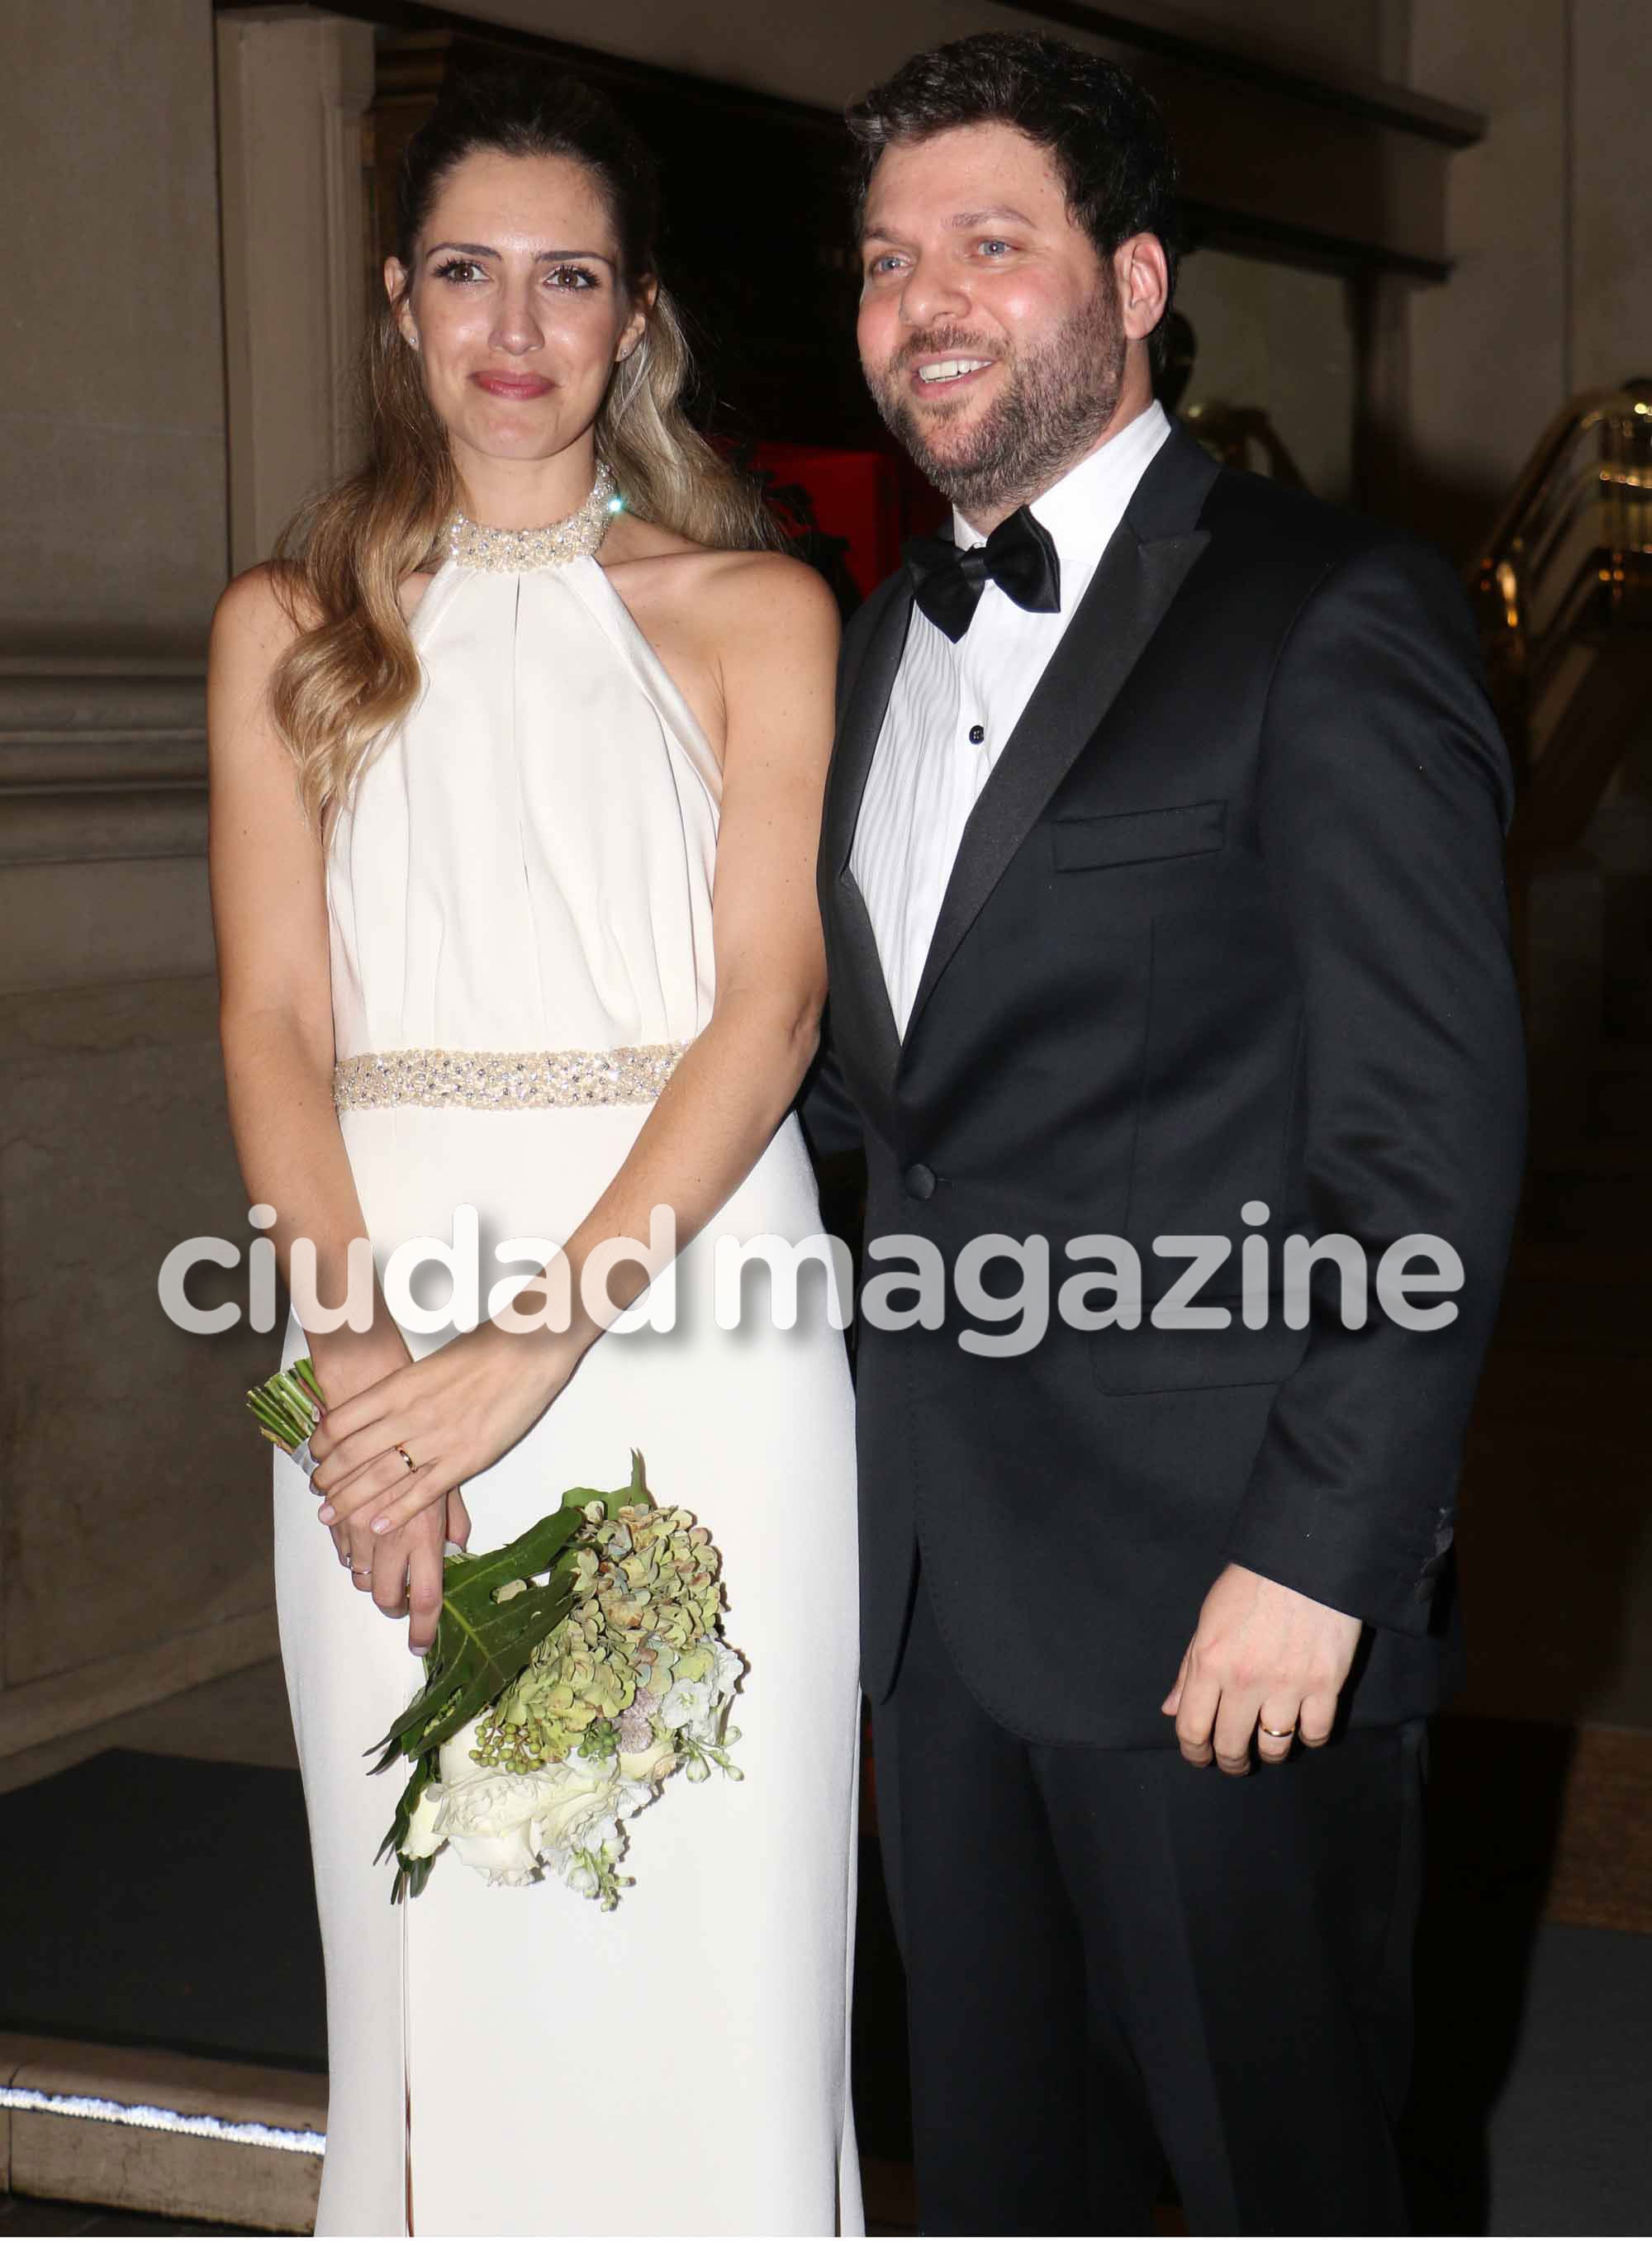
(1019, 557)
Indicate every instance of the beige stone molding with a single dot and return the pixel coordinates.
(101, 763)
(50, 2152)
(90, 825)
(294, 86)
(64, 1703)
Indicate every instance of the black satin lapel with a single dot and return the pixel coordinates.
(860, 722)
(861, 1013)
(1126, 601)
(861, 1010)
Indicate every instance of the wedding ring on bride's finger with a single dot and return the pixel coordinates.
(406, 1458)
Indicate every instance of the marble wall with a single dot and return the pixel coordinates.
(133, 1523)
(135, 1552)
(1552, 291)
(1609, 308)
(1281, 339)
(112, 419)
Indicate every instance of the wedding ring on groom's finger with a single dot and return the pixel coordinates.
(1279, 1735)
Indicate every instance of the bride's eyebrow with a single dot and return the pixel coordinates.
(541, 256)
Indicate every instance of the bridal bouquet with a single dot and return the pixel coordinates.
(571, 1672)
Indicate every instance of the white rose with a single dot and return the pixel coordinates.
(489, 1820)
(575, 1796)
(422, 1839)
(500, 1821)
(507, 1859)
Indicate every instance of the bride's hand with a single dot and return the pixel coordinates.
(415, 1436)
(346, 1362)
(406, 1574)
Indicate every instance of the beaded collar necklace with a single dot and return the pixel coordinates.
(514, 550)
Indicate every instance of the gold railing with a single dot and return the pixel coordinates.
(1564, 593)
(1242, 436)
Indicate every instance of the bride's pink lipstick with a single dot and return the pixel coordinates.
(513, 384)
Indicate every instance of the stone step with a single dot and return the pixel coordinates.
(136, 2128)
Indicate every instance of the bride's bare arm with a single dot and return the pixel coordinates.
(776, 629)
(773, 626)
(269, 918)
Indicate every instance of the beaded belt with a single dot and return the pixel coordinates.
(502, 1080)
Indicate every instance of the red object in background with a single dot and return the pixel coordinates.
(872, 500)
(855, 495)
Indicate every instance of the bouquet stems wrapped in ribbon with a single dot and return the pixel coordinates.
(571, 1672)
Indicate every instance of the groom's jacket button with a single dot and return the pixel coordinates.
(919, 1181)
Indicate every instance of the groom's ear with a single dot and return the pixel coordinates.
(1141, 274)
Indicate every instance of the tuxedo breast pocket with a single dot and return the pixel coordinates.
(1138, 836)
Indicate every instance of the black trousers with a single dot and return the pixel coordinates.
(1115, 1959)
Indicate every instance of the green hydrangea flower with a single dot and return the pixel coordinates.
(645, 1616)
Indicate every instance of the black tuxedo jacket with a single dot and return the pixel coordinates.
(1226, 924)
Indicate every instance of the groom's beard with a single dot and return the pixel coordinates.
(1052, 406)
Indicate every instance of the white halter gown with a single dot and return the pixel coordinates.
(528, 868)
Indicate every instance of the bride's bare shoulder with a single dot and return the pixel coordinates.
(258, 615)
(671, 574)
(265, 608)
(268, 600)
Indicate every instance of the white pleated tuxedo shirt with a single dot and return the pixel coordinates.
(955, 705)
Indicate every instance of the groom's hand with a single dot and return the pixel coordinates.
(1262, 1656)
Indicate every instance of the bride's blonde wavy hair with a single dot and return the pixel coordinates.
(352, 672)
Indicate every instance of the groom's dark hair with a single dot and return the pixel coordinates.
(1106, 135)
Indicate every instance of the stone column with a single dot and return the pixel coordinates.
(134, 1494)
(293, 88)
(112, 474)
(134, 1499)
(1488, 353)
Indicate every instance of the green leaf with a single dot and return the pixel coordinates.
(424, 1772)
(481, 1646)
(412, 1875)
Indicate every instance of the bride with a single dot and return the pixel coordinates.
(516, 764)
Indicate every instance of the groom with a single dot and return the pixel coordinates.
(1161, 879)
